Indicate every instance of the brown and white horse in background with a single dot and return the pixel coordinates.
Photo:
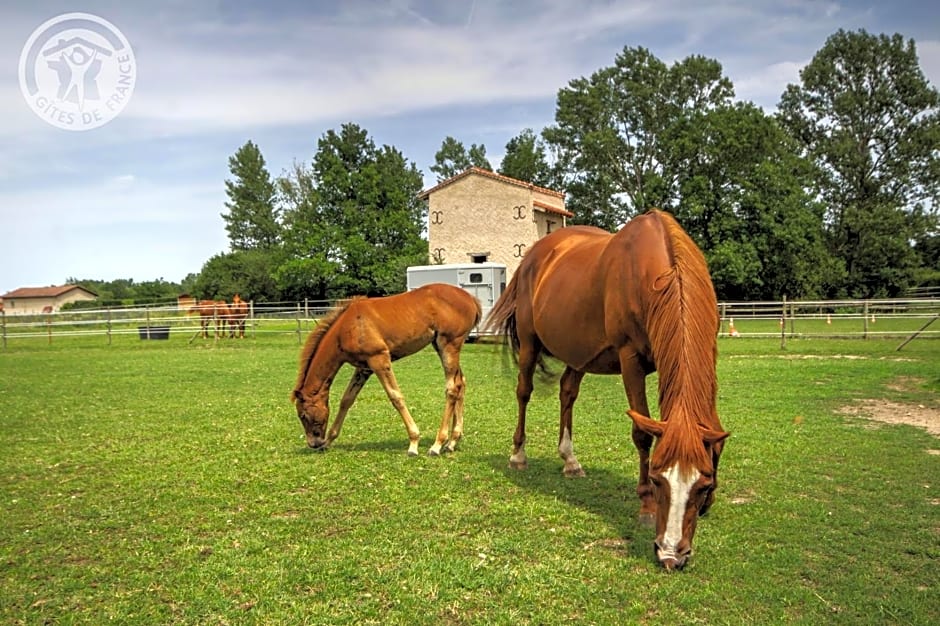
(628, 303)
(237, 314)
(211, 313)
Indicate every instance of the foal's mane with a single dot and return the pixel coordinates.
(314, 338)
(682, 326)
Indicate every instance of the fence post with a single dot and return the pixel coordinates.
(3, 324)
(783, 325)
(865, 321)
(108, 326)
(251, 317)
(298, 324)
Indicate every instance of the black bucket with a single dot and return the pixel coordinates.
(154, 332)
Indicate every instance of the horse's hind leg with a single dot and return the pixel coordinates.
(382, 366)
(568, 393)
(528, 358)
(359, 378)
(452, 423)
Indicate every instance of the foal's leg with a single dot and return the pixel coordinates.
(382, 366)
(359, 378)
(452, 422)
(528, 358)
(568, 393)
(634, 381)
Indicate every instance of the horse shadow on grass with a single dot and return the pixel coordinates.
(602, 493)
(338, 447)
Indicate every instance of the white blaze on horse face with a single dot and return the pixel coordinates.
(680, 486)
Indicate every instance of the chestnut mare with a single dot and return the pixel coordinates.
(370, 333)
(628, 303)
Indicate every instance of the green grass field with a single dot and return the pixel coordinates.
(162, 482)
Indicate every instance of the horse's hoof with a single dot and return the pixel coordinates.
(647, 520)
(518, 465)
(433, 452)
(574, 472)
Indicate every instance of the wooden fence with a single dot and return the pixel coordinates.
(862, 319)
(160, 322)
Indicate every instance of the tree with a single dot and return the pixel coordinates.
(741, 195)
(614, 131)
(453, 158)
(354, 217)
(252, 220)
(865, 114)
(249, 273)
(525, 159)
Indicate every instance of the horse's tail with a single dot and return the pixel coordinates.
(502, 318)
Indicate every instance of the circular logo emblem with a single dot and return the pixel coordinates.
(77, 71)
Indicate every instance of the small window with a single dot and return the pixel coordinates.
(476, 278)
(478, 258)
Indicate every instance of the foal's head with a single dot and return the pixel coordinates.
(313, 409)
(682, 473)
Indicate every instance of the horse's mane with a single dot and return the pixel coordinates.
(315, 336)
(682, 326)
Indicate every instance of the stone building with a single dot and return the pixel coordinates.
(479, 215)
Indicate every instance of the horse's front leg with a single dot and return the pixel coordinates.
(634, 382)
(359, 378)
(382, 366)
(568, 393)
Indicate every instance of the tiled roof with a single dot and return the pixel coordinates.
(44, 292)
(482, 172)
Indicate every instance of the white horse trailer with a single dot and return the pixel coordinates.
(485, 281)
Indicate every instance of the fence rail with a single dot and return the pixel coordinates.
(160, 321)
(785, 319)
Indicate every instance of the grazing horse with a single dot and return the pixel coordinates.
(237, 314)
(370, 333)
(627, 303)
(211, 311)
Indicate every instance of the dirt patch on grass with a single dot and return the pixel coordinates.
(888, 412)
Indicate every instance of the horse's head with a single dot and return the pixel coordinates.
(313, 409)
(682, 474)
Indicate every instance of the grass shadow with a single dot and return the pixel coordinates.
(605, 494)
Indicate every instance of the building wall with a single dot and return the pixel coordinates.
(36, 305)
(478, 214)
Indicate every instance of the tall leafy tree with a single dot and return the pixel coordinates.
(453, 158)
(614, 132)
(354, 218)
(742, 197)
(865, 114)
(249, 273)
(252, 219)
(525, 159)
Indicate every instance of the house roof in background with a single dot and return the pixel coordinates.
(482, 172)
(45, 292)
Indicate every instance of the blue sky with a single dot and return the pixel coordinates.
(141, 196)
